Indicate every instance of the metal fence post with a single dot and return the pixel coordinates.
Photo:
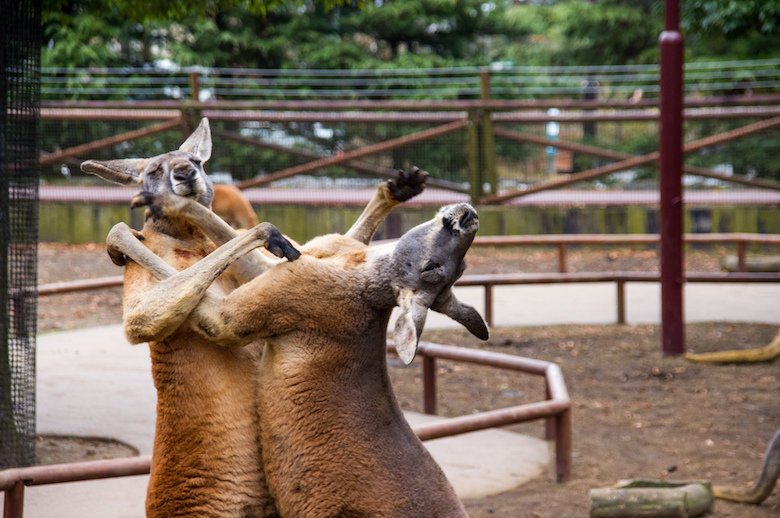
(671, 157)
(20, 92)
(13, 503)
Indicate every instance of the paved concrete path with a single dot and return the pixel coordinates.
(93, 383)
(596, 303)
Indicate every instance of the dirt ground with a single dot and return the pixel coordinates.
(636, 413)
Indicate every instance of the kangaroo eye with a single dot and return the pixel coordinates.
(430, 267)
(432, 273)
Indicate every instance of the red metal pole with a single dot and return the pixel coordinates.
(14, 501)
(671, 157)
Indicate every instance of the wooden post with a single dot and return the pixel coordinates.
(472, 152)
(550, 422)
(562, 258)
(190, 117)
(741, 262)
(621, 301)
(429, 385)
(563, 446)
(488, 148)
(195, 85)
(489, 304)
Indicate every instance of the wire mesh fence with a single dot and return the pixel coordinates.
(505, 82)
(19, 98)
(532, 137)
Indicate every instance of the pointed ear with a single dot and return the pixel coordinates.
(125, 171)
(409, 325)
(463, 314)
(199, 143)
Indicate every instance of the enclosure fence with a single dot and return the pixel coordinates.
(554, 409)
(634, 83)
(501, 134)
(19, 170)
(587, 167)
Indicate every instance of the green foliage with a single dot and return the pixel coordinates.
(333, 34)
(397, 33)
(409, 34)
(753, 156)
(607, 33)
(730, 17)
(574, 32)
(144, 11)
(731, 29)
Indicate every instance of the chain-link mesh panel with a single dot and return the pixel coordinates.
(19, 172)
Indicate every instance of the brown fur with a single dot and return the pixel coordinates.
(334, 440)
(206, 459)
(206, 453)
(230, 204)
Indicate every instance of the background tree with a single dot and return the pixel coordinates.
(410, 34)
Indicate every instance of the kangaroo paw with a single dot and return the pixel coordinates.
(408, 185)
(279, 246)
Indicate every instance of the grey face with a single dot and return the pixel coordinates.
(180, 172)
(429, 257)
(426, 262)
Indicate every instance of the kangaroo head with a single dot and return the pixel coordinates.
(180, 172)
(426, 262)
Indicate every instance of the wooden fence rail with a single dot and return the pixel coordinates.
(555, 410)
(479, 118)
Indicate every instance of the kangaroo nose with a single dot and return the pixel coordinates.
(184, 174)
(467, 217)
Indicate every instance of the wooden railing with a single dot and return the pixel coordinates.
(555, 410)
(562, 241)
(488, 281)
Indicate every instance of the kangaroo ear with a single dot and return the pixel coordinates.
(409, 325)
(125, 171)
(199, 143)
(463, 314)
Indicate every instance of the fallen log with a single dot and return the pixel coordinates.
(652, 499)
(752, 264)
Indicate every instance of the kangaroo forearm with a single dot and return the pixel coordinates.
(246, 268)
(207, 319)
(373, 215)
(159, 310)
